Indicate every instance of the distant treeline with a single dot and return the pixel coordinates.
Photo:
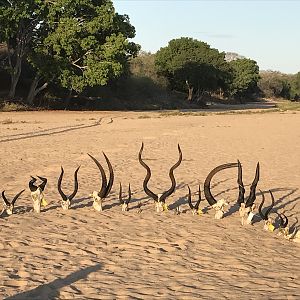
(66, 53)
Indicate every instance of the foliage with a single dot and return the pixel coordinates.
(295, 87)
(274, 84)
(279, 85)
(144, 66)
(20, 23)
(76, 43)
(245, 75)
(187, 63)
(87, 43)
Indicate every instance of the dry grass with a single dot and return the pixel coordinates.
(288, 105)
(9, 106)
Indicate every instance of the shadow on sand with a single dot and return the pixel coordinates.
(51, 290)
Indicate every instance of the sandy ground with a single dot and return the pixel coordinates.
(83, 254)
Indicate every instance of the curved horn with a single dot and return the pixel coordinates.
(111, 176)
(286, 221)
(32, 187)
(120, 195)
(208, 195)
(7, 203)
(64, 197)
(241, 198)
(44, 182)
(103, 176)
(190, 199)
(271, 206)
(199, 199)
(16, 197)
(171, 190)
(261, 205)
(252, 195)
(147, 178)
(129, 194)
(75, 185)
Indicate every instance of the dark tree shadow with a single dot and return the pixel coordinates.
(51, 290)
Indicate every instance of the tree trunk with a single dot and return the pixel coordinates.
(15, 76)
(68, 99)
(190, 91)
(34, 89)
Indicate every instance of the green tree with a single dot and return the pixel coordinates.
(274, 84)
(191, 65)
(245, 75)
(86, 45)
(20, 23)
(295, 87)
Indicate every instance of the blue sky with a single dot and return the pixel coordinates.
(266, 31)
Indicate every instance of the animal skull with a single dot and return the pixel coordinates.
(246, 213)
(37, 198)
(219, 208)
(97, 201)
(65, 204)
(269, 225)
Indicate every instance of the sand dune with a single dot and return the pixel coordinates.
(83, 254)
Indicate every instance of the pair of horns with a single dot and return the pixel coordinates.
(62, 194)
(252, 196)
(32, 185)
(283, 223)
(106, 187)
(196, 207)
(125, 201)
(6, 201)
(148, 176)
(208, 195)
(265, 216)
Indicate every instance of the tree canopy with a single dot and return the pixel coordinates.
(77, 43)
(189, 63)
(245, 75)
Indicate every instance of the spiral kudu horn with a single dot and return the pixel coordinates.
(164, 195)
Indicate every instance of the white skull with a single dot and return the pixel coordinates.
(65, 204)
(159, 206)
(37, 198)
(97, 201)
(219, 207)
(9, 210)
(124, 207)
